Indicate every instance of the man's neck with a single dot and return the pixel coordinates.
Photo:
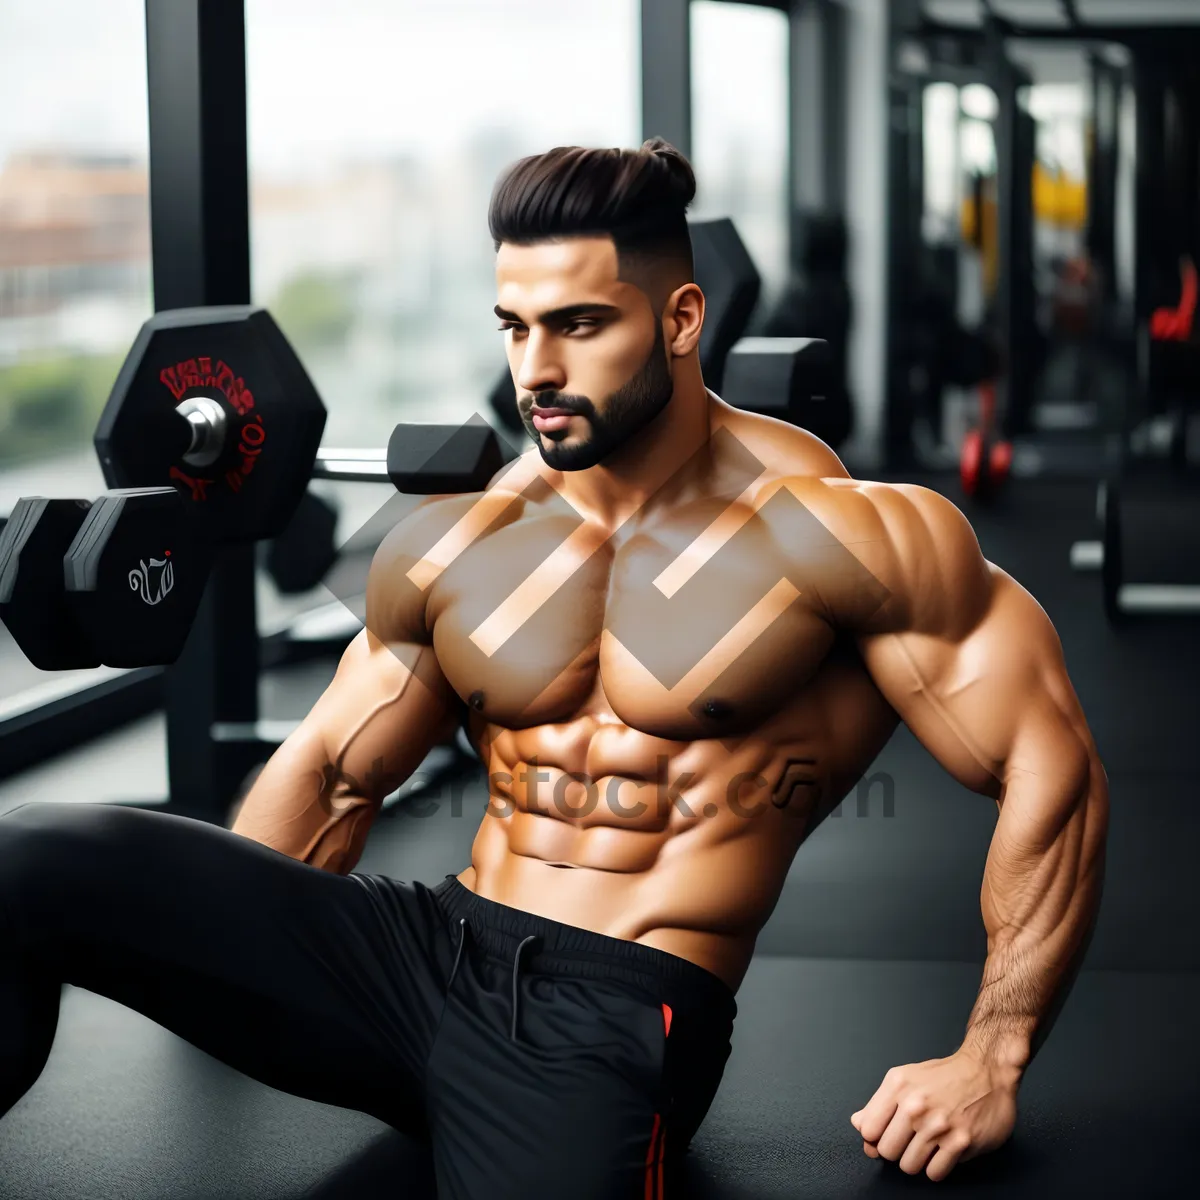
(662, 464)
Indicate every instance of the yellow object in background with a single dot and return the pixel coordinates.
(979, 227)
(1058, 199)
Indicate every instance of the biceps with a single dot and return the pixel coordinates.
(993, 704)
(386, 707)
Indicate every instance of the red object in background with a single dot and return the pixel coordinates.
(984, 464)
(1000, 462)
(1175, 324)
(970, 465)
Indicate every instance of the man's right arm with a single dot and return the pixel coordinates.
(387, 706)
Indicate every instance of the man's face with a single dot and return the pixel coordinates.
(585, 349)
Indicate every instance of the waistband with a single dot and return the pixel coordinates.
(559, 949)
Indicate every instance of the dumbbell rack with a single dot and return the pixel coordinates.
(200, 238)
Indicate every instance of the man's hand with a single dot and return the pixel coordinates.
(932, 1115)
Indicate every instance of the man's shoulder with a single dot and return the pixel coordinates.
(872, 540)
(869, 507)
(782, 448)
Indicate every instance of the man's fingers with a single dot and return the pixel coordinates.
(874, 1119)
(949, 1154)
(917, 1154)
(896, 1137)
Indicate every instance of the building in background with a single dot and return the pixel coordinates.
(74, 254)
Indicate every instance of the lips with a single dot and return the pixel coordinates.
(550, 412)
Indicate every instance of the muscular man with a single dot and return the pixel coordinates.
(678, 634)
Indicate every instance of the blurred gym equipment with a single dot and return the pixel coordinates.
(816, 303)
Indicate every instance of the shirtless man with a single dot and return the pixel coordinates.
(678, 634)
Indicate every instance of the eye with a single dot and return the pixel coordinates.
(583, 323)
(506, 325)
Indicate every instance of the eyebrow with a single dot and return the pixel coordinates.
(557, 316)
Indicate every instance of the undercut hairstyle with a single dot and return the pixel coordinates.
(639, 198)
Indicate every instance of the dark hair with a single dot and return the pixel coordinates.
(638, 197)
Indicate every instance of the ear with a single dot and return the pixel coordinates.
(683, 318)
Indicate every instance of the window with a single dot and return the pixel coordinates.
(377, 130)
(740, 129)
(941, 223)
(74, 244)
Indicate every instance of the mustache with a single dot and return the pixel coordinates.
(573, 404)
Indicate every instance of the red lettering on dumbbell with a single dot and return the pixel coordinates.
(197, 486)
(190, 371)
(203, 372)
(253, 435)
(170, 379)
(243, 399)
(224, 377)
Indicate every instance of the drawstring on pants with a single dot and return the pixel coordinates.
(463, 930)
(512, 1037)
(462, 937)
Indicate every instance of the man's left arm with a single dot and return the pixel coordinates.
(973, 666)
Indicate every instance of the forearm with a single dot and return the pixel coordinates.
(1040, 898)
(302, 807)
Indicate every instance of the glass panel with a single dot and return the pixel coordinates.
(942, 188)
(377, 131)
(74, 244)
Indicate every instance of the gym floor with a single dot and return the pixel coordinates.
(871, 959)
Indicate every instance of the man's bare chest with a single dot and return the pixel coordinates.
(685, 631)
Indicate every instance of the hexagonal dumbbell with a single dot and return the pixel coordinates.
(215, 403)
(116, 581)
(33, 602)
(430, 460)
(134, 576)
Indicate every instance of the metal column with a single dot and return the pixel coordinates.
(905, 192)
(1102, 172)
(1015, 297)
(817, 105)
(666, 56)
(200, 234)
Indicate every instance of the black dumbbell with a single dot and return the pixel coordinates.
(787, 378)
(33, 603)
(1151, 534)
(215, 403)
(302, 555)
(116, 581)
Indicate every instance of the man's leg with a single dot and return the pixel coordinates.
(323, 986)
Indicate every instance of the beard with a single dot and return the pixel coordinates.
(629, 409)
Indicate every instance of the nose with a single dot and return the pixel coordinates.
(540, 369)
